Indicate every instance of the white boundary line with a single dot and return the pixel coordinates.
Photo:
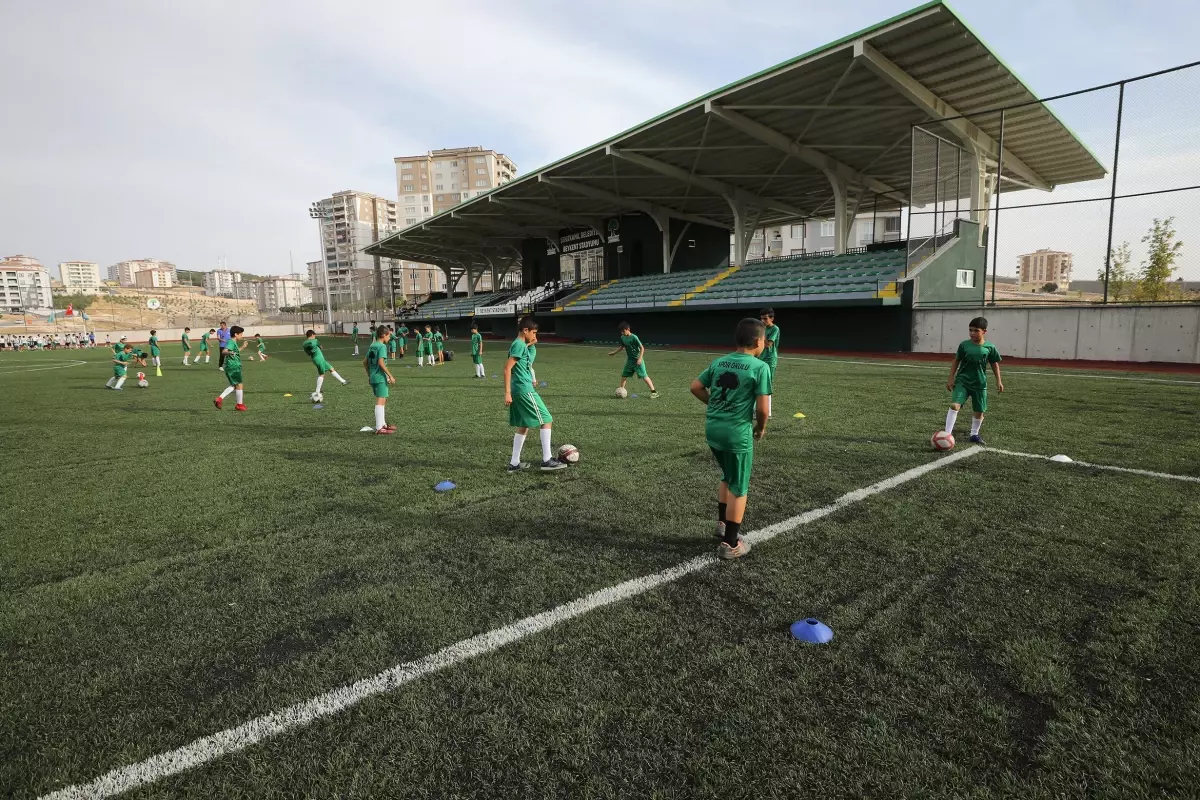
(233, 740)
(64, 365)
(1147, 473)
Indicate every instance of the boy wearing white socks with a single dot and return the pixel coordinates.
(968, 377)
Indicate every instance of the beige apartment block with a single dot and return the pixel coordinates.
(436, 181)
(1045, 266)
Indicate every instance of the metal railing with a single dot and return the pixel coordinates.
(817, 292)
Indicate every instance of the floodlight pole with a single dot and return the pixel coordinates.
(316, 212)
(996, 230)
(1112, 200)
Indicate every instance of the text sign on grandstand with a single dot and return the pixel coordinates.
(577, 241)
(496, 311)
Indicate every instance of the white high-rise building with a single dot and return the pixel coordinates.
(221, 283)
(817, 235)
(285, 291)
(80, 277)
(349, 222)
(24, 285)
(123, 272)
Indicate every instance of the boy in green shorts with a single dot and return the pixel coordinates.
(354, 338)
(403, 337)
(525, 408)
(635, 353)
(185, 340)
(968, 376)
(770, 353)
(120, 362)
(477, 351)
(736, 388)
(438, 346)
(262, 347)
(312, 346)
(154, 352)
(426, 347)
(204, 345)
(233, 369)
(377, 374)
(393, 342)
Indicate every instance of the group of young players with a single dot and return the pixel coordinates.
(48, 341)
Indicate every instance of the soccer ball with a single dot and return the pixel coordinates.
(141, 380)
(622, 392)
(943, 441)
(568, 454)
(317, 397)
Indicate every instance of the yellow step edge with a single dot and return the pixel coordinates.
(714, 281)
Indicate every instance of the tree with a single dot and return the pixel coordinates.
(1120, 277)
(1164, 250)
(1050, 287)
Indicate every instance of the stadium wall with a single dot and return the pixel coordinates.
(171, 335)
(935, 280)
(1093, 333)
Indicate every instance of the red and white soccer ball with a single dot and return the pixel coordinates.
(943, 440)
(568, 454)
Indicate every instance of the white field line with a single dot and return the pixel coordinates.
(233, 740)
(35, 368)
(1147, 473)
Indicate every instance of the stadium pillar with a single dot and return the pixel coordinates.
(741, 234)
(980, 196)
(663, 221)
(841, 225)
(470, 281)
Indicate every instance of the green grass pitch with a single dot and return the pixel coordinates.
(1005, 627)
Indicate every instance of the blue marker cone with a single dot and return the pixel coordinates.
(634, 396)
(812, 631)
(444, 486)
(542, 384)
(318, 407)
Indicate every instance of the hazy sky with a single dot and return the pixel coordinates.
(189, 131)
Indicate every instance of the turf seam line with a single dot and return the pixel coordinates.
(233, 740)
(1128, 470)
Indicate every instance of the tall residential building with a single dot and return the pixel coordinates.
(24, 285)
(1046, 266)
(154, 278)
(123, 272)
(221, 282)
(349, 222)
(80, 277)
(440, 179)
(283, 291)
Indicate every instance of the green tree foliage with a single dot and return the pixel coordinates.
(1121, 281)
(1050, 287)
(78, 301)
(1163, 252)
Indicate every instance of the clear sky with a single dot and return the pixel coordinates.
(189, 131)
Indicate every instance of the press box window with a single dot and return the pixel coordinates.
(965, 279)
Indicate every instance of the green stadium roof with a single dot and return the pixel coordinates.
(769, 143)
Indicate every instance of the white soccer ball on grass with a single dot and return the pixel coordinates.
(317, 397)
(622, 392)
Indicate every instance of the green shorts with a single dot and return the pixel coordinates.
(322, 366)
(118, 372)
(632, 368)
(476, 358)
(439, 346)
(771, 365)
(154, 351)
(203, 348)
(978, 397)
(380, 389)
(234, 376)
(528, 411)
(735, 469)
(187, 348)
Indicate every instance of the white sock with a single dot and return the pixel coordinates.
(185, 358)
(120, 381)
(975, 423)
(238, 396)
(420, 361)
(157, 363)
(320, 382)
(380, 419)
(533, 377)
(111, 381)
(951, 416)
(206, 359)
(228, 391)
(355, 349)
(545, 433)
(769, 411)
(518, 445)
(481, 371)
(339, 378)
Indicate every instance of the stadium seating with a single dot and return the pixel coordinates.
(796, 279)
(455, 307)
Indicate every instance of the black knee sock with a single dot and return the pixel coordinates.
(720, 512)
(731, 533)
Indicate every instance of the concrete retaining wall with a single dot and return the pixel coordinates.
(171, 335)
(1095, 333)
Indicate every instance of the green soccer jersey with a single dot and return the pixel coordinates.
(770, 353)
(438, 338)
(118, 347)
(476, 343)
(632, 345)
(313, 348)
(354, 333)
(154, 341)
(262, 346)
(522, 379)
(204, 339)
(233, 356)
(184, 339)
(376, 358)
(973, 360)
(123, 359)
(403, 331)
(735, 382)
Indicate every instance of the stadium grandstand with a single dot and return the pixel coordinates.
(655, 223)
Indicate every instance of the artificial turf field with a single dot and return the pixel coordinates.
(1005, 626)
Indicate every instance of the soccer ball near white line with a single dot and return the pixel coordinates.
(317, 397)
(942, 441)
(622, 392)
(568, 454)
(141, 379)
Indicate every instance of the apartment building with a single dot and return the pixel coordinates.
(154, 278)
(284, 291)
(24, 285)
(80, 277)
(221, 283)
(436, 181)
(348, 221)
(123, 272)
(1046, 266)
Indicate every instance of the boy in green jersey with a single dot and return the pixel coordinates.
(261, 345)
(477, 351)
(119, 346)
(312, 346)
(426, 347)
(354, 338)
(635, 353)
(233, 369)
(525, 408)
(377, 374)
(770, 353)
(968, 376)
(186, 341)
(438, 345)
(120, 362)
(154, 352)
(204, 345)
(403, 339)
(736, 388)
(393, 342)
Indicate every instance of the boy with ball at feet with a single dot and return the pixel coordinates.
(233, 369)
(525, 407)
(380, 378)
(968, 376)
(635, 354)
(737, 390)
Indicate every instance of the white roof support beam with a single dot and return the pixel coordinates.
(734, 194)
(551, 213)
(640, 205)
(944, 113)
(803, 152)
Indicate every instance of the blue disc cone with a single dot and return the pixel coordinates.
(317, 407)
(444, 486)
(542, 384)
(812, 631)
